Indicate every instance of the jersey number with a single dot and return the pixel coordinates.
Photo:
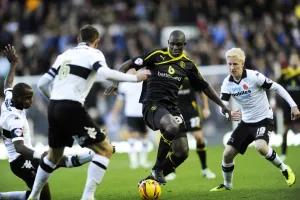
(195, 121)
(171, 70)
(261, 131)
(178, 119)
(64, 70)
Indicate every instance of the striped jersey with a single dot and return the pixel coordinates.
(74, 72)
(249, 92)
(15, 126)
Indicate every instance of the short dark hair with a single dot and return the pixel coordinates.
(89, 33)
(19, 89)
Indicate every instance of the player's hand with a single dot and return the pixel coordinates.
(206, 113)
(227, 112)
(295, 114)
(142, 75)
(236, 115)
(112, 88)
(11, 54)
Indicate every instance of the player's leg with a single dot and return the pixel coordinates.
(132, 140)
(76, 160)
(286, 127)
(45, 169)
(237, 143)
(269, 153)
(201, 152)
(143, 135)
(97, 168)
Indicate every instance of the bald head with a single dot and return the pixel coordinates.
(176, 43)
(178, 34)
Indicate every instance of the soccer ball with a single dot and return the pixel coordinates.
(149, 189)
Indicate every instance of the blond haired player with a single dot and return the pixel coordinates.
(248, 87)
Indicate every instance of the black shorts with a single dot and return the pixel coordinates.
(246, 133)
(25, 169)
(137, 124)
(68, 120)
(153, 113)
(191, 117)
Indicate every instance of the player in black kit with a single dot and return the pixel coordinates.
(168, 66)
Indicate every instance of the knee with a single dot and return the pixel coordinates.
(182, 153)
(105, 151)
(172, 128)
(262, 149)
(228, 156)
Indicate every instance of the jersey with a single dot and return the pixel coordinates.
(130, 93)
(187, 95)
(15, 126)
(290, 81)
(250, 94)
(167, 74)
(74, 72)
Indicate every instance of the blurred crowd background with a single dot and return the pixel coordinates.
(267, 30)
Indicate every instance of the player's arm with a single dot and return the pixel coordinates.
(12, 57)
(267, 83)
(16, 131)
(205, 110)
(199, 84)
(136, 63)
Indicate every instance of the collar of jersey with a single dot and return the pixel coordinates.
(83, 43)
(244, 75)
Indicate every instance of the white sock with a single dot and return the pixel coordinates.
(132, 153)
(144, 152)
(16, 195)
(79, 159)
(96, 173)
(273, 157)
(41, 179)
(227, 171)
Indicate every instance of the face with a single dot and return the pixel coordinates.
(176, 45)
(235, 67)
(294, 61)
(27, 98)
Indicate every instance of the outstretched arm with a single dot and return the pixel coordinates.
(12, 57)
(206, 110)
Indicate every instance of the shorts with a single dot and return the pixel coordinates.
(191, 117)
(25, 169)
(137, 124)
(68, 120)
(246, 133)
(153, 113)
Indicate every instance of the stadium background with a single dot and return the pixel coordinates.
(268, 31)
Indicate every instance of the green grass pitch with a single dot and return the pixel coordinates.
(254, 179)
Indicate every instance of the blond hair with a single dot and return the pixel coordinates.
(236, 52)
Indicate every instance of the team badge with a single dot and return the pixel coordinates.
(245, 86)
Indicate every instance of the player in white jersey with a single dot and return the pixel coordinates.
(248, 87)
(23, 159)
(129, 94)
(72, 75)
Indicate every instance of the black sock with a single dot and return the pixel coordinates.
(201, 151)
(163, 149)
(171, 163)
(284, 144)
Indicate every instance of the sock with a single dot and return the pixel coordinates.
(16, 195)
(96, 171)
(144, 152)
(79, 159)
(163, 149)
(44, 171)
(227, 171)
(275, 159)
(284, 144)
(132, 153)
(171, 163)
(201, 151)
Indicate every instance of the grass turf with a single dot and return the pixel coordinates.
(254, 179)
